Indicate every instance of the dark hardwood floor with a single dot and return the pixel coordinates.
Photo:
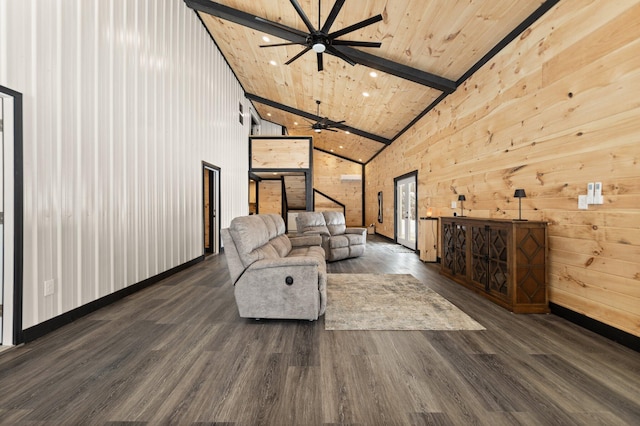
(177, 353)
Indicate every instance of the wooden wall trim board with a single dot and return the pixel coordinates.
(551, 112)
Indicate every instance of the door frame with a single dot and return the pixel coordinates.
(413, 174)
(213, 197)
(13, 256)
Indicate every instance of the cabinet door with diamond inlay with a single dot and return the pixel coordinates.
(498, 262)
(530, 285)
(460, 259)
(448, 247)
(480, 256)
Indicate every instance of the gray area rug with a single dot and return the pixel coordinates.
(389, 302)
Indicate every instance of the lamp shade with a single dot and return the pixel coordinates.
(463, 198)
(520, 194)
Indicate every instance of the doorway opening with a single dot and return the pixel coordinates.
(406, 209)
(211, 207)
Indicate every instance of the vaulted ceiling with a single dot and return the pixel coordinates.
(428, 48)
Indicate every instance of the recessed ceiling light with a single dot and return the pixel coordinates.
(272, 62)
(265, 38)
(268, 114)
(341, 146)
(360, 160)
(274, 173)
(365, 94)
(373, 74)
(347, 132)
(331, 150)
(295, 123)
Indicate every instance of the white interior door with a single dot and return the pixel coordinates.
(406, 211)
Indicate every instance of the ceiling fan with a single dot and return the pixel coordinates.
(324, 123)
(321, 40)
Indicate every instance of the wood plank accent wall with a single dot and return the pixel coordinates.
(556, 109)
(279, 153)
(327, 170)
(270, 197)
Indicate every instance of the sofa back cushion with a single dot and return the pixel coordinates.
(311, 222)
(335, 221)
(282, 245)
(278, 221)
(251, 236)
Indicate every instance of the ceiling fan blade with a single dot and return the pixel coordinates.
(278, 44)
(356, 43)
(294, 31)
(337, 6)
(357, 26)
(330, 130)
(303, 16)
(305, 50)
(320, 64)
(335, 52)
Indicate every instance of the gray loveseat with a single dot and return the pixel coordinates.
(274, 276)
(338, 241)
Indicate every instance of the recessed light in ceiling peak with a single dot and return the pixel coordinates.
(373, 74)
(266, 39)
(272, 62)
(365, 94)
(347, 132)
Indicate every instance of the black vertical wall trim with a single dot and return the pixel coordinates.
(363, 197)
(18, 200)
(18, 249)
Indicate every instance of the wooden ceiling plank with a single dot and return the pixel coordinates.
(291, 34)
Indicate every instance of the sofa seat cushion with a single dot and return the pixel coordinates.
(338, 241)
(314, 251)
(356, 239)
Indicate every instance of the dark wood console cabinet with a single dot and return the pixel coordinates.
(503, 260)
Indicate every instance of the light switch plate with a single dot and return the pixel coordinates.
(590, 192)
(582, 202)
(597, 194)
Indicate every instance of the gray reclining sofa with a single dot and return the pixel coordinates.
(275, 276)
(338, 241)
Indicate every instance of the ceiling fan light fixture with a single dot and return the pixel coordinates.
(317, 130)
(319, 47)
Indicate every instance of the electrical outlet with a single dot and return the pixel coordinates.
(49, 287)
(454, 204)
(582, 202)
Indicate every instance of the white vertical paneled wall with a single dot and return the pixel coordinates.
(123, 100)
(268, 128)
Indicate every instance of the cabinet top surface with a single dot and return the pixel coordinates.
(485, 219)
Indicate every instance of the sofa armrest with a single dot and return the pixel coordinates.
(362, 231)
(306, 240)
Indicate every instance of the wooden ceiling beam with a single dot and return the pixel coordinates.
(314, 117)
(296, 36)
